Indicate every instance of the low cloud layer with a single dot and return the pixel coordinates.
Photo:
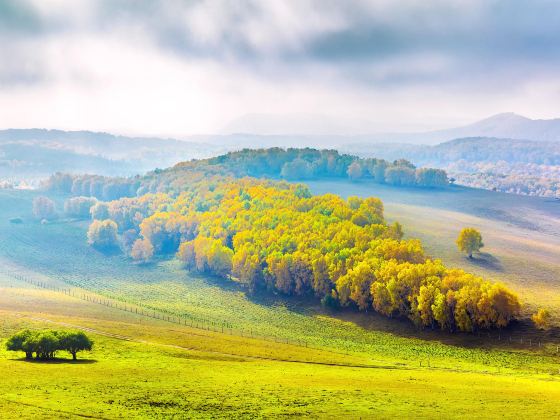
(178, 67)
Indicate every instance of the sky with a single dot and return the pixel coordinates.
(176, 68)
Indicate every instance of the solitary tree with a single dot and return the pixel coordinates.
(469, 241)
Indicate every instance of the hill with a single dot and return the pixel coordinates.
(317, 129)
(30, 155)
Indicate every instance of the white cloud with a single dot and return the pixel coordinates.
(171, 69)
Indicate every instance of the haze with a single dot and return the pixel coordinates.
(178, 68)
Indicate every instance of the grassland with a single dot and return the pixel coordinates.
(145, 368)
(354, 364)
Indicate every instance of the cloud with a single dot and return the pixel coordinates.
(381, 60)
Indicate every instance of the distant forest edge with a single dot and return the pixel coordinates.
(506, 165)
(290, 164)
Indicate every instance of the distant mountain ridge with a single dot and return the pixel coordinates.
(505, 125)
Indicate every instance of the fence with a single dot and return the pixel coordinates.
(219, 327)
(227, 328)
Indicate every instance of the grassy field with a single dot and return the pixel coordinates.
(145, 368)
(354, 364)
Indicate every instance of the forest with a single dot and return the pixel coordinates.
(506, 165)
(274, 236)
(276, 163)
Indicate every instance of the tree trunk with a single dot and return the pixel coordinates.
(74, 356)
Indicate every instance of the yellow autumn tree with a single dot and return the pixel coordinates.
(469, 241)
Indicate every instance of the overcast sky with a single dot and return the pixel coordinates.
(186, 67)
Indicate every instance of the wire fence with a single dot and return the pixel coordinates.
(150, 312)
(497, 337)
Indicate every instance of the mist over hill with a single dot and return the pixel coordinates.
(507, 152)
(29, 155)
(508, 165)
(314, 129)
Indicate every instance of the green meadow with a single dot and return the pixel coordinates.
(277, 357)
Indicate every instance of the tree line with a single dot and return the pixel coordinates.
(289, 164)
(277, 237)
(46, 343)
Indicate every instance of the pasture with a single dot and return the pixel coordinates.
(143, 367)
(341, 363)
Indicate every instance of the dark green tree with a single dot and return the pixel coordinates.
(74, 342)
(17, 343)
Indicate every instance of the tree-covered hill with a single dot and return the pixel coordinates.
(275, 163)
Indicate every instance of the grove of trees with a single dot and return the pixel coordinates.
(290, 164)
(46, 343)
(275, 236)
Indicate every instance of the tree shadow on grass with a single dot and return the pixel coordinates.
(58, 361)
(488, 261)
(109, 252)
(402, 327)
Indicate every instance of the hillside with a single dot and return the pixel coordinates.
(29, 155)
(333, 131)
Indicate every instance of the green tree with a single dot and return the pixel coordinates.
(469, 241)
(74, 342)
(16, 343)
(45, 344)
